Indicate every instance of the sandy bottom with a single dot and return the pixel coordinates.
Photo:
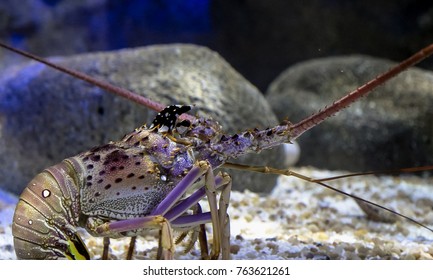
(300, 220)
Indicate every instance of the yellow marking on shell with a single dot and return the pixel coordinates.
(74, 252)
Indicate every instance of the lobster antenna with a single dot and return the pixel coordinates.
(99, 83)
(378, 172)
(287, 172)
(313, 120)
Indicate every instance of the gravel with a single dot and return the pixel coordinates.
(301, 220)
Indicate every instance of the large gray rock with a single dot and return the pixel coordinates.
(47, 116)
(391, 128)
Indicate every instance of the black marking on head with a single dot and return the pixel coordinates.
(185, 123)
(166, 120)
(182, 126)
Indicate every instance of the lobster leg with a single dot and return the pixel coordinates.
(202, 240)
(148, 222)
(106, 248)
(158, 219)
(220, 181)
(225, 219)
(222, 234)
(210, 190)
(106, 241)
(198, 233)
(131, 248)
(176, 194)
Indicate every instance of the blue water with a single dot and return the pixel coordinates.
(166, 20)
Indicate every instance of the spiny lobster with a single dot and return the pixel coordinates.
(128, 187)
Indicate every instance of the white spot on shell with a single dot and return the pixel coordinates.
(46, 193)
(30, 222)
(163, 178)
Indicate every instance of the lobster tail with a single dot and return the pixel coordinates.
(45, 222)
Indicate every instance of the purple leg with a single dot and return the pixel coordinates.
(218, 215)
(195, 173)
(189, 221)
(198, 233)
(188, 202)
(148, 222)
(167, 212)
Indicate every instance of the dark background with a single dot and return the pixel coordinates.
(259, 38)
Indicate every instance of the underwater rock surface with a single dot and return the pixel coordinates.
(390, 128)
